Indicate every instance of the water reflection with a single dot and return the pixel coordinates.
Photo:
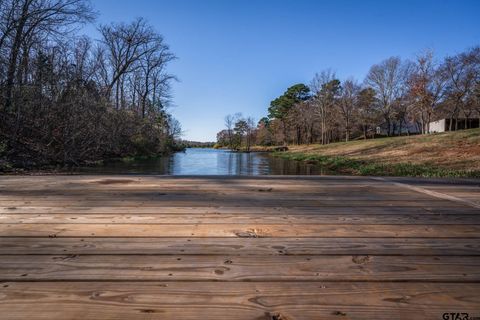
(196, 161)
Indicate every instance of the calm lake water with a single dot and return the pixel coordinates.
(197, 161)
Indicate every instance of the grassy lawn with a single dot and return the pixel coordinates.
(450, 154)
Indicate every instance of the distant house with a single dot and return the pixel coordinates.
(443, 125)
(406, 129)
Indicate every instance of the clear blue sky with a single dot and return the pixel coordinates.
(236, 56)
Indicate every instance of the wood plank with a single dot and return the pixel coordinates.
(438, 195)
(233, 202)
(260, 189)
(393, 218)
(242, 246)
(266, 191)
(132, 179)
(39, 189)
(240, 231)
(235, 300)
(212, 209)
(138, 247)
(220, 196)
(239, 268)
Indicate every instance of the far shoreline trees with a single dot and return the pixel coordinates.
(240, 133)
(397, 97)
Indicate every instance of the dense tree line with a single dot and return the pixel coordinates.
(396, 98)
(240, 133)
(195, 144)
(65, 98)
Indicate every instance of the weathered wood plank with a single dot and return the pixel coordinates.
(235, 300)
(260, 192)
(241, 231)
(393, 218)
(161, 197)
(242, 246)
(239, 268)
(139, 230)
(212, 209)
(172, 189)
(233, 202)
(165, 179)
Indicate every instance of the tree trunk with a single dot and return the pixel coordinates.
(387, 121)
(122, 93)
(117, 86)
(347, 133)
(12, 65)
(429, 118)
(144, 103)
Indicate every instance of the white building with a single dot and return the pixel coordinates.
(443, 125)
(438, 126)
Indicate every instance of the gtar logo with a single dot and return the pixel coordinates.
(455, 316)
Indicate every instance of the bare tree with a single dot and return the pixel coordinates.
(367, 112)
(230, 121)
(387, 79)
(326, 89)
(250, 133)
(426, 88)
(152, 65)
(229, 124)
(127, 45)
(347, 104)
(25, 18)
(462, 72)
(53, 106)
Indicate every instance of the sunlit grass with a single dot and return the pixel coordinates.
(450, 154)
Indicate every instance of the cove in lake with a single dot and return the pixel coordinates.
(198, 161)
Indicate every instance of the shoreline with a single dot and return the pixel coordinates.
(353, 167)
(448, 154)
(445, 155)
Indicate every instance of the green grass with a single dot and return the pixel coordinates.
(448, 154)
(349, 166)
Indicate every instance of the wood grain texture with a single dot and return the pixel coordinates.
(239, 231)
(235, 300)
(232, 202)
(242, 246)
(240, 268)
(343, 210)
(239, 218)
(272, 248)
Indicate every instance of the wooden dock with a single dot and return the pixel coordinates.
(272, 248)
